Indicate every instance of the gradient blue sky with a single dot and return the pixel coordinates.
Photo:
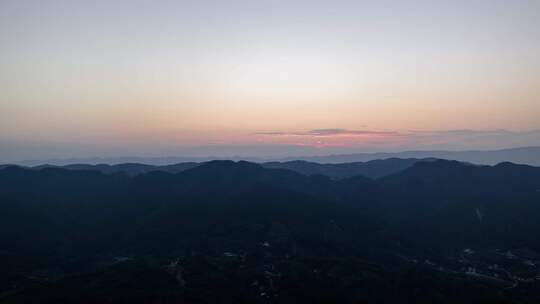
(153, 78)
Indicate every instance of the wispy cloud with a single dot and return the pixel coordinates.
(412, 139)
(272, 133)
(467, 132)
(331, 132)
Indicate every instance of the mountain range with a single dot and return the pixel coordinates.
(242, 232)
(520, 155)
(372, 169)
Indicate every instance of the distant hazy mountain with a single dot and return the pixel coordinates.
(525, 155)
(154, 161)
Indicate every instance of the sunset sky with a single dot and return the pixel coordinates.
(157, 78)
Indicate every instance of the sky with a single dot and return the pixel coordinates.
(281, 78)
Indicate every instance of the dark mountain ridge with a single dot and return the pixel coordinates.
(235, 223)
(372, 169)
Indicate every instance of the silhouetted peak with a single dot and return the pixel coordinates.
(228, 164)
(225, 167)
(299, 162)
(511, 165)
(11, 168)
(439, 163)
